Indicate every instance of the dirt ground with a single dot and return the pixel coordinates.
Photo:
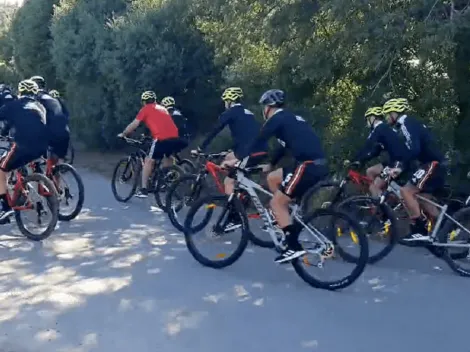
(103, 163)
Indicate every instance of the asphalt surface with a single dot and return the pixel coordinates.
(119, 278)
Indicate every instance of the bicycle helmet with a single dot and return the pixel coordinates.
(28, 87)
(168, 102)
(273, 97)
(148, 95)
(40, 81)
(54, 93)
(396, 105)
(232, 94)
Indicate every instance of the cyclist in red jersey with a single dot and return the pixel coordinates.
(163, 131)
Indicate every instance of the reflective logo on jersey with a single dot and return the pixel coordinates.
(407, 135)
(281, 142)
(299, 118)
(248, 112)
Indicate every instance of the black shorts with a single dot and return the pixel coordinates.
(167, 147)
(17, 157)
(257, 158)
(59, 147)
(429, 178)
(299, 179)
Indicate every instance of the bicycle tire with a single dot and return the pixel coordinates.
(127, 162)
(309, 195)
(392, 236)
(442, 237)
(160, 183)
(187, 166)
(62, 168)
(53, 203)
(189, 231)
(360, 264)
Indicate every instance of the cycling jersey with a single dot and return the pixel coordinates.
(293, 133)
(419, 140)
(180, 121)
(384, 138)
(57, 122)
(158, 121)
(27, 119)
(243, 127)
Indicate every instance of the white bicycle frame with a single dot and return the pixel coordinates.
(251, 187)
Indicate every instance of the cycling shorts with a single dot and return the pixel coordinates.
(167, 147)
(17, 157)
(297, 180)
(60, 146)
(430, 177)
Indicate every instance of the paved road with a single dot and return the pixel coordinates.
(119, 278)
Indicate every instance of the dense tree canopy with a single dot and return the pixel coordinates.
(333, 58)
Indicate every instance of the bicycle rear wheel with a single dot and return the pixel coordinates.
(50, 204)
(187, 166)
(338, 220)
(162, 181)
(218, 231)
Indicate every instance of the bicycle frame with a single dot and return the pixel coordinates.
(17, 190)
(214, 169)
(242, 182)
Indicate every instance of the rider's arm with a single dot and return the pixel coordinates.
(134, 124)
(268, 130)
(5, 116)
(224, 119)
(412, 131)
(371, 148)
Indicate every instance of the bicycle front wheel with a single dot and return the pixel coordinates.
(379, 223)
(127, 171)
(162, 182)
(69, 191)
(329, 223)
(229, 240)
(38, 198)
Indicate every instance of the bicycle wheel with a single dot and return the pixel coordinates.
(323, 195)
(259, 238)
(162, 181)
(127, 170)
(187, 166)
(66, 193)
(46, 190)
(182, 194)
(379, 223)
(458, 258)
(218, 231)
(338, 220)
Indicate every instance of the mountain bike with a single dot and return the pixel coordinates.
(184, 192)
(55, 172)
(129, 169)
(319, 244)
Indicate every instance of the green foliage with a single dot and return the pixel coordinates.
(333, 58)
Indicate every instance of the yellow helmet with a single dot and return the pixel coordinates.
(396, 105)
(232, 94)
(374, 111)
(147, 95)
(168, 102)
(28, 86)
(54, 93)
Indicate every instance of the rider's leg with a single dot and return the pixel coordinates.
(377, 184)
(149, 163)
(426, 179)
(274, 180)
(229, 182)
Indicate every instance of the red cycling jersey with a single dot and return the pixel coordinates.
(158, 121)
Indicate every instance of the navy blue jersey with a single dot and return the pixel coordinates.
(243, 127)
(180, 121)
(294, 134)
(6, 97)
(419, 140)
(57, 121)
(26, 118)
(384, 138)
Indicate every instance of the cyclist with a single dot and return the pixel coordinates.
(54, 93)
(163, 131)
(6, 95)
(289, 183)
(178, 118)
(429, 176)
(244, 129)
(27, 118)
(57, 121)
(381, 138)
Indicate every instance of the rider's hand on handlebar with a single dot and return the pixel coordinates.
(121, 135)
(395, 172)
